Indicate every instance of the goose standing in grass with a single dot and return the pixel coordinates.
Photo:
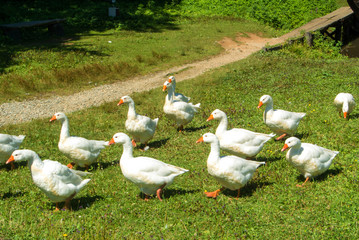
(8, 144)
(311, 160)
(82, 151)
(177, 96)
(231, 172)
(181, 112)
(141, 128)
(281, 122)
(149, 174)
(345, 103)
(57, 181)
(238, 141)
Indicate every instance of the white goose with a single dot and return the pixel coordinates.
(238, 141)
(311, 160)
(181, 112)
(345, 103)
(57, 181)
(8, 144)
(230, 171)
(149, 174)
(177, 96)
(81, 150)
(142, 128)
(279, 121)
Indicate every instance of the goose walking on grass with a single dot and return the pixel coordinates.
(231, 172)
(281, 122)
(57, 181)
(8, 144)
(181, 112)
(141, 128)
(238, 141)
(149, 174)
(345, 103)
(311, 160)
(177, 96)
(82, 151)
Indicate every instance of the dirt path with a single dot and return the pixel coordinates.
(235, 50)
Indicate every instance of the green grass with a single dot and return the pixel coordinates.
(40, 69)
(270, 206)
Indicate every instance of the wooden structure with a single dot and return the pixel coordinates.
(13, 30)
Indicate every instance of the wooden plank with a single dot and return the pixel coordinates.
(31, 24)
(321, 23)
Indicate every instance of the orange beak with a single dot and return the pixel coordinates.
(210, 118)
(112, 141)
(11, 159)
(284, 147)
(200, 140)
(169, 80)
(345, 114)
(53, 118)
(260, 104)
(164, 88)
(120, 102)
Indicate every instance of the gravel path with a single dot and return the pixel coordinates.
(18, 112)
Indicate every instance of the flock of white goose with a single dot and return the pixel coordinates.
(61, 183)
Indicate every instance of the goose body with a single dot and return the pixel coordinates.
(8, 144)
(231, 172)
(180, 112)
(82, 151)
(141, 128)
(149, 174)
(345, 103)
(177, 96)
(238, 141)
(311, 160)
(57, 181)
(281, 122)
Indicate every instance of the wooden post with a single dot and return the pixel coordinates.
(309, 38)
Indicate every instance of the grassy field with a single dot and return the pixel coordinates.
(270, 206)
(42, 68)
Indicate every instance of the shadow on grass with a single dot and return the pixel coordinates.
(301, 135)
(84, 202)
(247, 190)
(323, 177)
(267, 160)
(157, 144)
(354, 116)
(168, 193)
(11, 195)
(17, 165)
(195, 129)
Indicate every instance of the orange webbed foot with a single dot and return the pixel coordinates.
(213, 194)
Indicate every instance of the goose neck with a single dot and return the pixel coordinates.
(127, 150)
(131, 110)
(222, 126)
(65, 129)
(214, 154)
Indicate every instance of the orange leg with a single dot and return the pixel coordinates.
(301, 185)
(134, 143)
(87, 168)
(159, 192)
(146, 197)
(71, 165)
(281, 136)
(238, 193)
(214, 194)
(12, 165)
(68, 201)
(57, 207)
(180, 128)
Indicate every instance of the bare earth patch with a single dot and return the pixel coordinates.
(235, 50)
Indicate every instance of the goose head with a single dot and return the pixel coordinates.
(167, 85)
(207, 138)
(291, 142)
(58, 116)
(125, 99)
(264, 100)
(21, 155)
(121, 138)
(216, 115)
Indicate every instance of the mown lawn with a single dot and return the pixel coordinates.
(270, 206)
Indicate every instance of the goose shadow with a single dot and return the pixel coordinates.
(266, 160)
(168, 193)
(247, 190)
(17, 165)
(301, 135)
(11, 194)
(354, 115)
(78, 204)
(158, 143)
(324, 176)
(195, 129)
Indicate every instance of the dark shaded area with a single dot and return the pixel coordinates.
(247, 190)
(157, 144)
(322, 177)
(168, 193)
(81, 16)
(11, 194)
(84, 202)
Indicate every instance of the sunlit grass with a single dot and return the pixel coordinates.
(270, 206)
